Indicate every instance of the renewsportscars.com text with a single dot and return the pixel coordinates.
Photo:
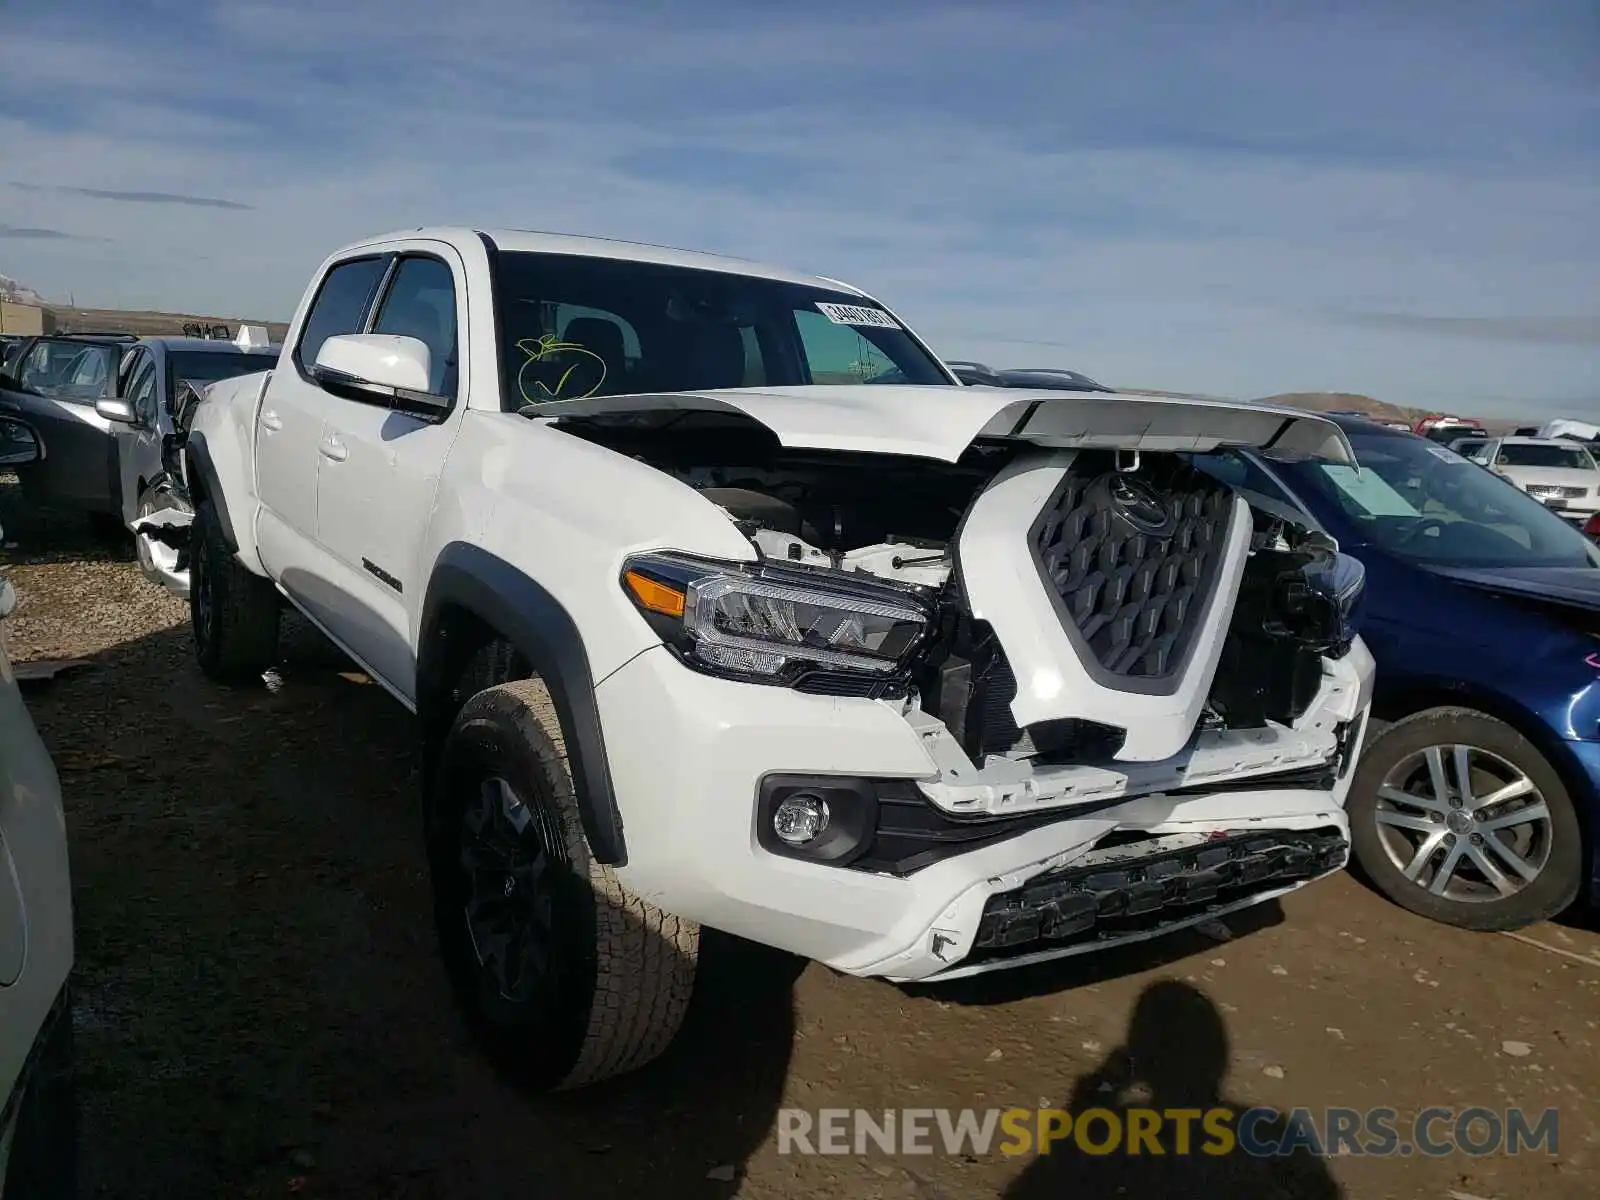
(1259, 1132)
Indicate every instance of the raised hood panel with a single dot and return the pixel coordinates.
(941, 422)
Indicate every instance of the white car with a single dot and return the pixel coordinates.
(1561, 473)
(720, 601)
(38, 1127)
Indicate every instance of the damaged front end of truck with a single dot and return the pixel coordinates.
(1081, 624)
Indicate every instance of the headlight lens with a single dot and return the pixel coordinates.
(1321, 603)
(770, 623)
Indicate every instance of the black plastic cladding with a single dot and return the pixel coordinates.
(1132, 602)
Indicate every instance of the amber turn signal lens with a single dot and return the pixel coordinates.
(657, 597)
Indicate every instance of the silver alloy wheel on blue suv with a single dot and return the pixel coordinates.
(1458, 817)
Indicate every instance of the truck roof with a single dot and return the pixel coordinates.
(539, 242)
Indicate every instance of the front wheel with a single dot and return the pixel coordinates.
(234, 611)
(1457, 817)
(565, 978)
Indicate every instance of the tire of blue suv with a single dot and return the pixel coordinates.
(44, 1146)
(564, 977)
(234, 612)
(1501, 852)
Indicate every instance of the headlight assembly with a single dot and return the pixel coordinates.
(773, 624)
(1321, 603)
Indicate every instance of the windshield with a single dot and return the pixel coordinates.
(1428, 504)
(578, 326)
(1542, 454)
(67, 370)
(201, 367)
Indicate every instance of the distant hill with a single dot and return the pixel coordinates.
(1345, 402)
(144, 323)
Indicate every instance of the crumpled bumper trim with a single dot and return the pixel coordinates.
(1099, 904)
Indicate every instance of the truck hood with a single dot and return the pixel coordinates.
(940, 422)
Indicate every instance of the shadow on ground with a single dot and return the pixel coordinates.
(1174, 1057)
(260, 1007)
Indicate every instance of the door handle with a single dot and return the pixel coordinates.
(333, 448)
(271, 422)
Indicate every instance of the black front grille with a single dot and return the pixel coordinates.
(1131, 558)
(1150, 892)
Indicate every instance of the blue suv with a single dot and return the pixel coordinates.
(1476, 800)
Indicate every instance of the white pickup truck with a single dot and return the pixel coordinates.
(720, 601)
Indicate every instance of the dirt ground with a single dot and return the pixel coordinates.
(260, 1011)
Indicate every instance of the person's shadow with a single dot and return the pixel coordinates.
(1175, 1056)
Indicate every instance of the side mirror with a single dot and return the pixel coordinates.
(8, 598)
(383, 365)
(19, 444)
(116, 410)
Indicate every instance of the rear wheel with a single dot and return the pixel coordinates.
(565, 978)
(233, 610)
(1456, 816)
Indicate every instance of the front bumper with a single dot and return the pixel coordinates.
(1585, 756)
(689, 754)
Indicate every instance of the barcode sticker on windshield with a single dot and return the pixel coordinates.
(855, 314)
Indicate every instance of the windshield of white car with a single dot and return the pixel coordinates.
(575, 326)
(1543, 454)
(1427, 504)
(201, 367)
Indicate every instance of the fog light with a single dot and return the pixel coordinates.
(800, 818)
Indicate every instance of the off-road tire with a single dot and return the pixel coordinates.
(619, 972)
(1557, 885)
(44, 1149)
(234, 612)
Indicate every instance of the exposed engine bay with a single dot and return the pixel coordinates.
(1131, 596)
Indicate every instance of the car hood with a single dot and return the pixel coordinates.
(1571, 587)
(940, 422)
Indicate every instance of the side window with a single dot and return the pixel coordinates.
(421, 303)
(838, 353)
(130, 364)
(340, 305)
(142, 394)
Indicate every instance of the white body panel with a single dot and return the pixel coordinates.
(340, 487)
(36, 927)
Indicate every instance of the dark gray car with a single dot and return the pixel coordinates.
(103, 410)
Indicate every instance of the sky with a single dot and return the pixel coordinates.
(1393, 198)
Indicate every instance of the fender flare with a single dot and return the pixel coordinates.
(197, 464)
(545, 635)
